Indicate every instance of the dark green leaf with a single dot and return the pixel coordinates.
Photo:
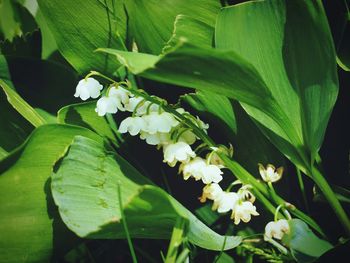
(144, 19)
(84, 26)
(284, 40)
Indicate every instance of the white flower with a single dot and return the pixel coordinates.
(270, 173)
(199, 169)
(179, 151)
(276, 229)
(133, 125)
(225, 202)
(159, 138)
(141, 107)
(193, 168)
(121, 94)
(211, 173)
(201, 124)
(211, 191)
(159, 122)
(88, 88)
(243, 211)
(107, 104)
(245, 194)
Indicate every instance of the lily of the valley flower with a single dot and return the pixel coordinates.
(107, 104)
(225, 202)
(121, 94)
(243, 211)
(133, 125)
(179, 151)
(200, 170)
(141, 105)
(276, 229)
(270, 173)
(211, 192)
(88, 88)
(159, 138)
(159, 122)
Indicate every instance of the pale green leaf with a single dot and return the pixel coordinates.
(88, 177)
(29, 223)
(21, 105)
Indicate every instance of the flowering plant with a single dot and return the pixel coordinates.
(193, 128)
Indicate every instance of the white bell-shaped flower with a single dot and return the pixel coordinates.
(243, 211)
(179, 151)
(88, 88)
(133, 125)
(121, 94)
(225, 202)
(193, 168)
(276, 229)
(211, 191)
(270, 173)
(141, 105)
(200, 170)
(211, 174)
(159, 122)
(107, 104)
(159, 138)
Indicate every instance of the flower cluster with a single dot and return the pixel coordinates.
(168, 132)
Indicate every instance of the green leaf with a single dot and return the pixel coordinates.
(84, 115)
(29, 222)
(195, 31)
(284, 40)
(304, 244)
(21, 105)
(206, 69)
(85, 25)
(217, 105)
(89, 175)
(144, 19)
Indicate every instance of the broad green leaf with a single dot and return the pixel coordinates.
(284, 40)
(21, 105)
(9, 21)
(88, 177)
(29, 223)
(84, 26)
(304, 244)
(217, 105)
(196, 32)
(201, 68)
(83, 114)
(150, 34)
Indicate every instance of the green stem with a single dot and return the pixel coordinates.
(125, 225)
(331, 198)
(302, 189)
(176, 240)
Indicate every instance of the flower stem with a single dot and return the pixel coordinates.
(331, 198)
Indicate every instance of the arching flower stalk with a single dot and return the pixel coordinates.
(174, 130)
